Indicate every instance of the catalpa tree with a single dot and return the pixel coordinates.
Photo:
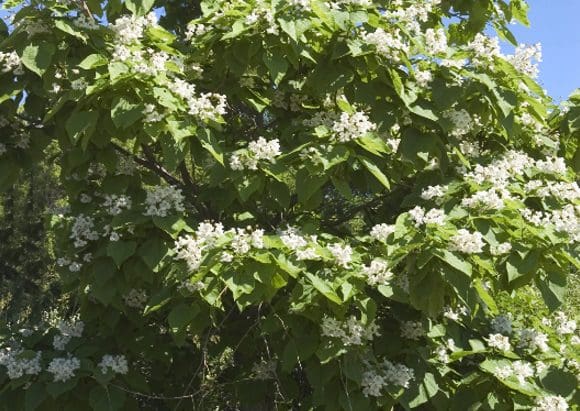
(292, 205)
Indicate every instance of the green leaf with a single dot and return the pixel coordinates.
(38, 56)
(560, 382)
(68, 28)
(92, 61)
(375, 171)
(139, 7)
(120, 251)
(152, 252)
(308, 184)
(289, 27)
(324, 288)
(454, 261)
(124, 113)
(181, 315)
(34, 396)
(117, 71)
(211, 145)
(277, 66)
(81, 123)
(106, 398)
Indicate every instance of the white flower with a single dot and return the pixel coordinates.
(352, 126)
(377, 272)
(436, 41)
(461, 120)
(522, 370)
(351, 331)
(504, 372)
(499, 341)
(381, 232)
(161, 199)
(412, 330)
(433, 192)
(551, 403)
(484, 49)
(17, 363)
(258, 150)
(433, 216)
(116, 363)
(564, 325)
(292, 239)
(486, 200)
(265, 370)
(390, 45)
(502, 248)
(342, 254)
(533, 340)
(83, 231)
(466, 242)
(135, 298)
(63, 368)
(523, 59)
(423, 78)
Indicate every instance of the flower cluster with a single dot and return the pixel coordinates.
(433, 216)
(63, 368)
(533, 340)
(116, 363)
(518, 369)
(381, 232)
(161, 199)
(500, 249)
(68, 330)
(377, 273)
(130, 29)
(484, 49)
(413, 330)
(486, 200)
(462, 122)
(436, 41)
(499, 341)
(83, 230)
(115, 204)
(342, 254)
(10, 62)
(258, 150)
(390, 45)
(350, 332)
(523, 58)
(135, 298)
(375, 379)
(352, 126)
(551, 403)
(433, 192)
(19, 363)
(466, 242)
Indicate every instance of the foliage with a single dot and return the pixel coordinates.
(293, 205)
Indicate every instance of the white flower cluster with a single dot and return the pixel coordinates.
(10, 62)
(523, 58)
(533, 340)
(500, 249)
(83, 230)
(130, 29)
(561, 190)
(443, 351)
(551, 165)
(63, 368)
(190, 248)
(433, 216)
(462, 122)
(352, 126)
(116, 363)
(433, 192)
(466, 242)
(499, 341)
(350, 332)
(550, 403)
(485, 49)
(412, 15)
(341, 253)
(487, 199)
(263, 12)
(519, 369)
(207, 106)
(115, 204)
(161, 199)
(299, 244)
(564, 325)
(68, 330)
(436, 41)
(135, 298)
(19, 363)
(375, 379)
(501, 171)
(377, 272)
(412, 330)
(423, 78)
(455, 315)
(566, 220)
(258, 150)
(390, 45)
(381, 232)
(246, 239)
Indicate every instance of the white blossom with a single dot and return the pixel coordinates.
(466, 242)
(161, 199)
(550, 403)
(63, 368)
(352, 126)
(341, 253)
(381, 232)
(499, 341)
(116, 363)
(377, 272)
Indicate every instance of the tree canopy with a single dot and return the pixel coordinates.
(291, 205)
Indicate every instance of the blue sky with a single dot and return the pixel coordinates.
(555, 24)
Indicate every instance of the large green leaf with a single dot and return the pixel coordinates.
(37, 56)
